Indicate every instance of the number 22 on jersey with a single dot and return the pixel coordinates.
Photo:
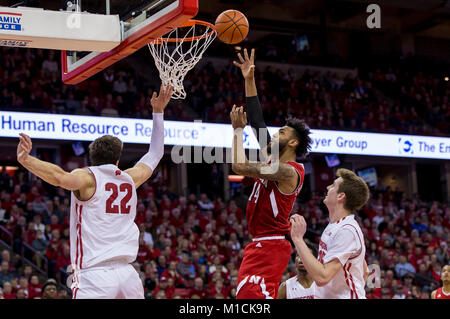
(126, 188)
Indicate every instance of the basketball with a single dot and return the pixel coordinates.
(232, 27)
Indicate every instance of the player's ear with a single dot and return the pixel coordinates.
(293, 142)
(341, 197)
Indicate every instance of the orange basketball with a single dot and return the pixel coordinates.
(232, 26)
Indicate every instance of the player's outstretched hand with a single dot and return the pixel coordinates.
(247, 64)
(160, 102)
(238, 117)
(298, 226)
(24, 147)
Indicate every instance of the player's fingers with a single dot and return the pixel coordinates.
(246, 54)
(169, 91)
(25, 137)
(252, 55)
(26, 141)
(237, 64)
(240, 58)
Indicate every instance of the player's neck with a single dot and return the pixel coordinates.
(287, 156)
(446, 289)
(304, 279)
(337, 213)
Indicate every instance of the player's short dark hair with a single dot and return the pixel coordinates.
(302, 133)
(105, 150)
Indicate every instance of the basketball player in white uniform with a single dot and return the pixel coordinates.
(104, 239)
(300, 286)
(340, 272)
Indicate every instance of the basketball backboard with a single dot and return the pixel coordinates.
(151, 20)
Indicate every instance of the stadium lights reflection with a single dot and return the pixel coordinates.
(446, 78)
(235, 178)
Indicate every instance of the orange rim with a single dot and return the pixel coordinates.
(189, 23)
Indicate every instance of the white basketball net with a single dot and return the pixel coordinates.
(174, 59)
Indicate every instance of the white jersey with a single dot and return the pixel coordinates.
(343, 240)
(102, 228)
(294, 290)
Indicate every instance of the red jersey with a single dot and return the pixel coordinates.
(268, 208)
(440, 294)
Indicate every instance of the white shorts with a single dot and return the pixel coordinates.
(110, 281)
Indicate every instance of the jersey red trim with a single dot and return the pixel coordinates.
(81, 239)
(348, 276)
(79, 249)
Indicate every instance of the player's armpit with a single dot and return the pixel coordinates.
(282, 291)
(330, 270)
(139, 173)
(273, 172)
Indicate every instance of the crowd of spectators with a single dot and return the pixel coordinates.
(191, 247)
(388, 99)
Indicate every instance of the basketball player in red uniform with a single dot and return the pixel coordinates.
(277, 184)
(444, 291)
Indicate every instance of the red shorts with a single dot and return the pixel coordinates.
(262, 267)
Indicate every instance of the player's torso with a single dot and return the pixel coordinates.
(268, 208)
(294, 290)
(349, 282)
(440, 294)
(102, 228)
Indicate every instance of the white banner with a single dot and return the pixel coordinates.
(88, 128)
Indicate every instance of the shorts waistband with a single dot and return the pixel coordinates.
(268, 238)
(106, 264)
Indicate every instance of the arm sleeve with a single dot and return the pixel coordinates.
(256, 119)
(346, 245)
(156, 150)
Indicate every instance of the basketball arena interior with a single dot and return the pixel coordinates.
(372, 83)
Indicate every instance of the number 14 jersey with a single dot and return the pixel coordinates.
(268, 208)
(102, 228)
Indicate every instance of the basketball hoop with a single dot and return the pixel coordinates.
(179, 51)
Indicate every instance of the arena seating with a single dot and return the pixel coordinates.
(187, 238)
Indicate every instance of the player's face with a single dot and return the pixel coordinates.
(332, 192)
(280, 140)
(298, 264)
(445, 274)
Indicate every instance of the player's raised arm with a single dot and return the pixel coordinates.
(242, 166)
(254, 110)
(147, 164)
(51, 173)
